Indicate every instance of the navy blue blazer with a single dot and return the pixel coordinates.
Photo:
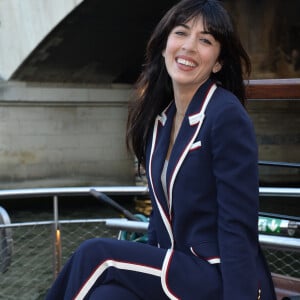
(211, 211)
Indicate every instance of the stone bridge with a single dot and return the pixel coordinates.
(67, 69)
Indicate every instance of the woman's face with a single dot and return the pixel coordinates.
(191, 54)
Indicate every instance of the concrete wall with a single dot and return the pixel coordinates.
(23, 25)
(51, 136)
(277, 126)
(75, 136)
(270, 33)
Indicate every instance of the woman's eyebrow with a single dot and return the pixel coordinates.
(188, 27)
(183, 25)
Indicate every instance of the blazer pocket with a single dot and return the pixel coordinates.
(208, 251)
(196, 145)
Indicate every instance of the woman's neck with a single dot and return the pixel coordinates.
(183, 98)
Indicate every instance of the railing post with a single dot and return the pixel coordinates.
(6, 241)
(56, 239)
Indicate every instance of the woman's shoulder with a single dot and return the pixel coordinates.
(224, 96)
(224, 105)
(224, 100)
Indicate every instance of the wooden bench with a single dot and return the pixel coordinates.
(286, 287)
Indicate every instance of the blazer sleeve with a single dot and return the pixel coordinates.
(236, 172)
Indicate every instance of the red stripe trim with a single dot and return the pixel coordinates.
(208, 90)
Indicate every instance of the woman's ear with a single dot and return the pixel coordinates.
(217, 67)
(163, 53)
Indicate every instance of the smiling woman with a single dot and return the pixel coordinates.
(188, 128)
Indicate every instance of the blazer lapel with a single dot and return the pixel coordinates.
(158, 152)
(161, 136)
(159, 147)
(187, 134)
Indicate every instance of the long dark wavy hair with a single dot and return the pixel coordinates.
(153, 90)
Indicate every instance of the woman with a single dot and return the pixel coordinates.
(190, 131)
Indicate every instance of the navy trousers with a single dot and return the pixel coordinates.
(130, 271)
(112, 291)
(111, 269)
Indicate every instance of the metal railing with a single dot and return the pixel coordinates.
(55, 239)
(73, 191)
(122, 191)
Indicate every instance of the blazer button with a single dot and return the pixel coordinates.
(259, 293)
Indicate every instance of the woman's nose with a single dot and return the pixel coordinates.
(189, 44)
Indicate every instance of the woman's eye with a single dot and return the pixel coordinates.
(205, 41)
(179, 32)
